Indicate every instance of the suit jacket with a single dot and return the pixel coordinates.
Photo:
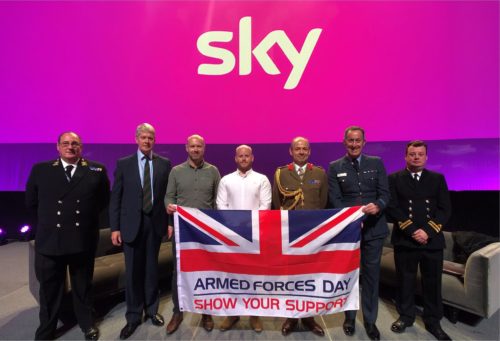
(125, 209)
(346, 189)
(68, 212)
(424, 204)
(313, 187)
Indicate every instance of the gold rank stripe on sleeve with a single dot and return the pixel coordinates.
(436, 227)
(403, 225)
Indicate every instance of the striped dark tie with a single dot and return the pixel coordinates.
(147, 202)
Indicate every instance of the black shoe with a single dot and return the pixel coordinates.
(314, 327)
(372, 331)
(349, 327)
(128, 330)
(399, 326)
(156, 319)
(92, 333)
(437, 332)
(289, 326)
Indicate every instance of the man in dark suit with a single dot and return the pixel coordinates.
(419, 207)
(358, 179)
(300, 186)
(69, 194)
(139, 221)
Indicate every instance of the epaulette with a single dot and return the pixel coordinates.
(319, 167)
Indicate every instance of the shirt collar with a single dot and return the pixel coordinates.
(358, 158)
(296, 166)
(199, 167)
(140, 155)
(244, 175)
(411, 173)
(65, 164)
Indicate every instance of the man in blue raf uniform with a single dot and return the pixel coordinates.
(69, 194)
(139, 221)
(419, 207)
(358, 179)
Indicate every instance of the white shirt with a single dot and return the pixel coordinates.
(65, 164)
(419, 174)
(249, 191)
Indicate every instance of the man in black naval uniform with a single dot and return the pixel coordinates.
(419, 207)
(68, 194)
(358, 179)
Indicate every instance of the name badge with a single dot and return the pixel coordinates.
(339, 175)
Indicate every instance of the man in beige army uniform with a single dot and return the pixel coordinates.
(300, 186)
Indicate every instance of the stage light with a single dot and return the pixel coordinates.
(3, 236)
(24, 233)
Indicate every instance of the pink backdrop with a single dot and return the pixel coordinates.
(401, 69)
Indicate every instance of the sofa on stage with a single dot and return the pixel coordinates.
(109, 269)
(471, 287)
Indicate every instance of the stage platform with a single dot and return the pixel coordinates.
(19, 316)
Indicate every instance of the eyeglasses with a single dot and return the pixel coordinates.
(73, 144)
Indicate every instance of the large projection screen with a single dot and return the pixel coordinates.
(403, 70)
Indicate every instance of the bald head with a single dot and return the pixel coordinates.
(300, 139)
(195, 137)
(300, 150)
(243, 146)
(195, 147)
(244, 158)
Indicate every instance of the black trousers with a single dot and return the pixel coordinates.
(371, 251)
(141, 264)
(51, 273)
(407, 261)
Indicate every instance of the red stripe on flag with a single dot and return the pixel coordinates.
(205, 227)
(323, 262)
(325, 227)
(270, 234)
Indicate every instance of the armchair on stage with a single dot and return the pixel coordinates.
(472, 287)
(109, 269)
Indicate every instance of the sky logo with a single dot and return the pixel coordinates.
(298, 58)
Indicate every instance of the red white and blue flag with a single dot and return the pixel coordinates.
(268, 263)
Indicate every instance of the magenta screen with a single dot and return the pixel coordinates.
(249, 71)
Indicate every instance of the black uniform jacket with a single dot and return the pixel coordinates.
(418, 205)
(68, 212)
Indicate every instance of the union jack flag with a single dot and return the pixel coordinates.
(250, 242)
(309, 247)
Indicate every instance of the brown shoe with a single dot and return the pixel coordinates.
(310, 324)
(207, 322)
(289, 326)
(228, 322)
(256, 324)
(174, 323)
